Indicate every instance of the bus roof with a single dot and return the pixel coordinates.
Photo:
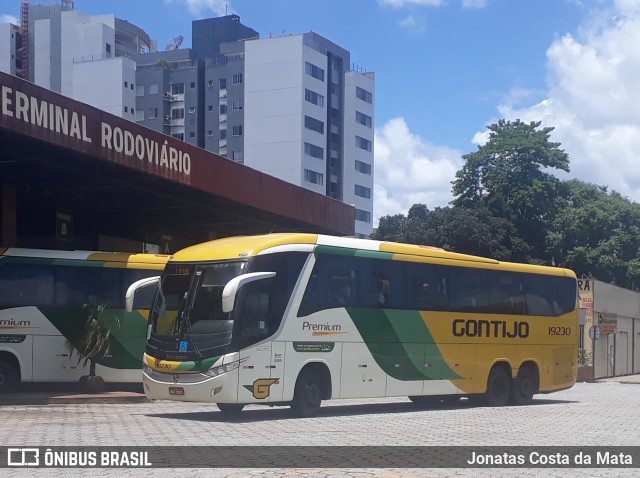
(248, 246)
(107, 259)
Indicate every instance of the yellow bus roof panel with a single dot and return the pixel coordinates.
(239, 247)
(428, 251)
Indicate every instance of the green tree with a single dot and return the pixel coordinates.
(596, 233)
(508, 176)
(469, 231)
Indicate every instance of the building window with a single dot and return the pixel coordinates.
(152, 113)
(223, 109)
(237, 78)
(363, 143)
(126, 84)
(236, 105)
(209, 132)
(313, 70)
(126, 109)
(364, 95)
(192, 109)
(177, 113)
(363, 216)
(210, 83)
(363, 168)
(180, 136)
(313, 150)
(193, 84)
(107, 48)
(313, 177)
(363, 192)
(364, 119)
(222, 83)
(313, 124)
(132, 86)
(209, 107)
(223, 134)
(237, 130)
(153, 89)
(192, 134)
(313, 97)
(237, 156)
(177, 89)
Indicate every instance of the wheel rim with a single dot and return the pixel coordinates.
(525, 384)
(312, 392)
(499, 387)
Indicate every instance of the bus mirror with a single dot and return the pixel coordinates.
(231, 289)
(135, 287)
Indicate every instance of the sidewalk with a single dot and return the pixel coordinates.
(621, 379)
(58, 394)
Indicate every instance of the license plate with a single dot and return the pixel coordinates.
(176, 391)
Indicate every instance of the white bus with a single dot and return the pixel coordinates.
(299, 318)
(44, 297)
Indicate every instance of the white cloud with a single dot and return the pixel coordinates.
(9, 19)
(593, 99)
(411, 23)
(409, 170)
(474, 3)
(205, 7)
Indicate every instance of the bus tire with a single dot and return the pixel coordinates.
(8, 376)
(497, 387)
(230, 409)
(524, 386)
(307, 396)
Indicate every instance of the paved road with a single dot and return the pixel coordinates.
(588, 415)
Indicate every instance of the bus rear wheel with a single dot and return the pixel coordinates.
(8, 376)
(230, 408)
(307, 396)
(497, 387)
(524, 386)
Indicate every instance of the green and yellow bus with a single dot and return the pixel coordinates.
(300, 318)
(45, 296)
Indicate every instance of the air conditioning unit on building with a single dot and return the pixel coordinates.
(167, 117)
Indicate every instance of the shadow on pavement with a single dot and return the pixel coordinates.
(284, 413)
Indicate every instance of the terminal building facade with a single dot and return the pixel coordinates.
(290, 106)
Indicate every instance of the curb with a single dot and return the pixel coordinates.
(48, 399)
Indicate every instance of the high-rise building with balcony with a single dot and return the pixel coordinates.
(289, 106)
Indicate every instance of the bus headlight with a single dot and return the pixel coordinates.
(215, 371)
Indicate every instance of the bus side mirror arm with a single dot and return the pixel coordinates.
(231, 289)
(133, 288)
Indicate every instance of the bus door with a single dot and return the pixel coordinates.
(255, 374)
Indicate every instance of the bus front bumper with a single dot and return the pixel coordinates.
(191, 387)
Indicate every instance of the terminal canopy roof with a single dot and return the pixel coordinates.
(109, 176)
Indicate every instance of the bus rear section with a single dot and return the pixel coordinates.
(45, 298)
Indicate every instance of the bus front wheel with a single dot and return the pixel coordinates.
(8, 376)
(307, 395)
(497, 387)
(230, 408)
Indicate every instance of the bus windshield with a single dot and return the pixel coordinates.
(188, 306)
(187, 319)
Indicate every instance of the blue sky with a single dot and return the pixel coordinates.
(447, 68)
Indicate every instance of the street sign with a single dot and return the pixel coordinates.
(594, 332)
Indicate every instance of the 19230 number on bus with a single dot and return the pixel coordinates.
(559, 330)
